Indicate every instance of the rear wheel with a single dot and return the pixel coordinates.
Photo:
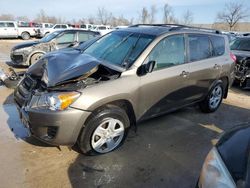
(104, 132)
(34, 58)
(213, 100)
(25, 36)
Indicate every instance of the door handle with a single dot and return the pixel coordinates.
(216, 66)
(184, 74)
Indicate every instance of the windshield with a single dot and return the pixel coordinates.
(120, 48)
(240, 44)
(50, 36)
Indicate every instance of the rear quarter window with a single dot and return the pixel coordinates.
(199, 47)
(218, 44)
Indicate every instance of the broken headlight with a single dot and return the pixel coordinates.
(214, 172)
(55, 101)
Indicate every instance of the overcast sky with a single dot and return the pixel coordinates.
(204, 11)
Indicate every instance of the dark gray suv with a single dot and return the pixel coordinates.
(92, 95)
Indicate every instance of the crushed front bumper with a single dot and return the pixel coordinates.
(54, 127)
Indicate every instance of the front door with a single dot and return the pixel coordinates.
(167, 87)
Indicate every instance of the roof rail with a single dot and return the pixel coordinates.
(197, 28)
(158, 25)
(175, 27)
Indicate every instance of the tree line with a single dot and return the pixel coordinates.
(232, 13)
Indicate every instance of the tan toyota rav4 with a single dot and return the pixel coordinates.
(93, 93)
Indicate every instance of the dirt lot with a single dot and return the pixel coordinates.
(165, 152)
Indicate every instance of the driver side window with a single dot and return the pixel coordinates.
(168, 52)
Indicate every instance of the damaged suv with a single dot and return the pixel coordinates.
(26, 54)
(92, 96)
(241, 49)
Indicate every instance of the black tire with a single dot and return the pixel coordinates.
(25, 36)
(34, 58)
(206, 106)
(96, 119)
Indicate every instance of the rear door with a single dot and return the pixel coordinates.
(167, 87)
(204, 67)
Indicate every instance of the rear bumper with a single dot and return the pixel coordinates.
(54, 127)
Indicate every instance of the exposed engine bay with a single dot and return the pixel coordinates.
(242, 71)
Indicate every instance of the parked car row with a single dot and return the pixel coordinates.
(25, 30)
(10, 29)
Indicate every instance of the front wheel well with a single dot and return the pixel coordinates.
(123, 104)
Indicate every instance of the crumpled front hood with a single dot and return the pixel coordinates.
(57, 68)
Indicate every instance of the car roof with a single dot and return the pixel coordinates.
(159, 29)
(81, 30)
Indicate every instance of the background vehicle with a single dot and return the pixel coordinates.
(241, 49)
(103, 29)
(44, 29)
(228, 164)
(10, 29)
(126, 76)
(54, 28)
(87, 26)
(28, 53)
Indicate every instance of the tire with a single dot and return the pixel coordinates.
(46, 34)
(213, 100)
(25, 36)
(98, 135)
(34, 58)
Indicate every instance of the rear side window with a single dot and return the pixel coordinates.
(66, 38)
(57, 26)
(9, 24)
(64, 26)
(199, 47)
(82, 37)
(218, 44)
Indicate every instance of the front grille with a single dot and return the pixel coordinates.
(24, 91)
(51, 132)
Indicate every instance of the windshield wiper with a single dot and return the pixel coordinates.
(125, 63)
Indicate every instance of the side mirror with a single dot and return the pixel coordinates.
(146, 68)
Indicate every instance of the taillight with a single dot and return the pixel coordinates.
(233, 57)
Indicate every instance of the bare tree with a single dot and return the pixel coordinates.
(144, 16)
(152, 14)
(104, 16)
(7, 17)
(168, 15)
(187, 18)
(232, 14)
